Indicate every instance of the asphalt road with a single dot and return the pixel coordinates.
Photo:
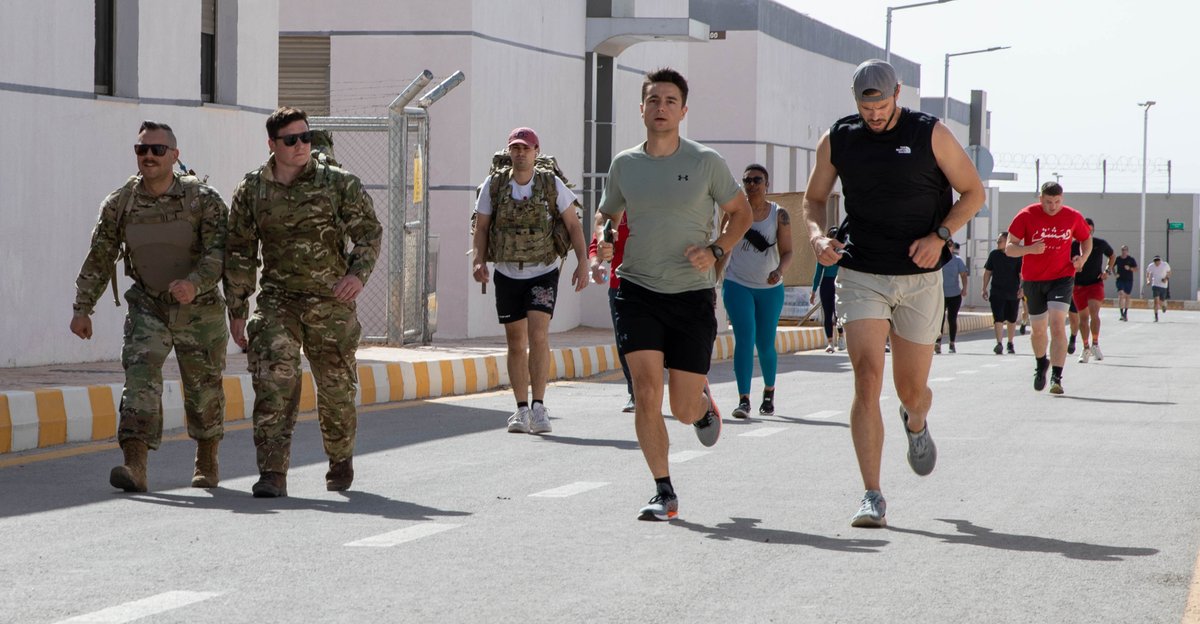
(1080, 508)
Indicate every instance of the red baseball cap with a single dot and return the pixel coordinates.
(524, 136)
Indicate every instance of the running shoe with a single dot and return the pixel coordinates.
(841, 342)
(629, 406)
(952, 349)
(937, 347)
(872, 513)
(1039, 376)
(1056, 384)
(540, 421)
(519, 421)
(708, 428)
(998, 349)
(660, 508)
(1010, 348)
(1096, 352)
(767, 408)
(922, 453)
(1071, 345)
(743, 408)
(1023, 329)
(887, 348)
(1156, 316)
(829, 349)
(1085, 355)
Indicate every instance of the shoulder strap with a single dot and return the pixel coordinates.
(124, 203)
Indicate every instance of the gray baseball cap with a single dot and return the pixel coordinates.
(877, 75)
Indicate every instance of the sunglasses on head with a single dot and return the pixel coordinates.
(290, 139)
(141, 149)
(753, 180)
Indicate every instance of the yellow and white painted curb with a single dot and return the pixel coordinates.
(55, 416)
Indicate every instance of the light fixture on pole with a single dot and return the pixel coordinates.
(887, 47)
(946, 79)
(1142, 228)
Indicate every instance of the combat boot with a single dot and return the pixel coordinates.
(340, 475)
(131, 476)
(207, 473)
(270, 485)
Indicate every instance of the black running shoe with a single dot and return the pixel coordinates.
(998, 349)
(1039, 377)
(1071, 346)
(743, 408)
(1010, 348)
(767, 408)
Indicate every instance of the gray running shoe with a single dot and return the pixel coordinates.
(629, 406)
(708, 428)
(872, 513)
(1056, 385)
(519, 421)
(540, 420)
(1096, 352)
(922, 453)
(952, 349)
(660, 508)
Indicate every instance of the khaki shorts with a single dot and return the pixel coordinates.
(913, 303)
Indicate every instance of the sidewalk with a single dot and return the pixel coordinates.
(46, 406)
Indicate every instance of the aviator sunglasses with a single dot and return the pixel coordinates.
(753, 180)
(141, 149)
(290, 139)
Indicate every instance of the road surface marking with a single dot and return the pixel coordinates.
(936, 379)
(407, 534)
(966, 372)
(682, 456)
(138, 609)
(822, 414)
(570, 489)
(761, 433)
(988, 365)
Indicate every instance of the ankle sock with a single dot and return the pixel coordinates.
(664, 486)
(1056, 372)
(538, 401)
(521, 404)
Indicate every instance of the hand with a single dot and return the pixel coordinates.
(183, 290)
(1078, 261)
(812, 297)
(480, 273)
(580, 279)
(237, 331)
(828, 251)
(774, 276)
(1036, 247)
(984, 294)
(1103, 275)
(926, 251)
(700, 256)
(81, 326)
(604, 251)
(599, 271)
(347, 288)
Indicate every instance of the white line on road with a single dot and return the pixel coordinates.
(139, 609)
(761, 433)
(407, 534)
(570, 489)
(682, 456)
(966, 372)
(822, 414)
(936, 379)
(988, 365)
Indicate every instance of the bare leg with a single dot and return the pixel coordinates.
(517, 336)
(646, 369)
(539, 352)
(864, 343)
(910, 373)
(1058, 337)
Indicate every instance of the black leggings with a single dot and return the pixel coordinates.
(951, 314)
(827, 299)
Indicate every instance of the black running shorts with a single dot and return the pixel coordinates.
(1041, 296)
(682, 325)
(1004, 310)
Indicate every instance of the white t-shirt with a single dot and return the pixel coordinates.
(1158, 273)
(523, 191)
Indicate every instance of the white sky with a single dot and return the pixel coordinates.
(1067, 89)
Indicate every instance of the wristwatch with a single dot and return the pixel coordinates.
(716, 250)
(943, 232)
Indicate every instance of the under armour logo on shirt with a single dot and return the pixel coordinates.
(904, 149)
(682, 178)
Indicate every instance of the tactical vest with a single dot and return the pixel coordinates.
(523, 230)
(158, 244)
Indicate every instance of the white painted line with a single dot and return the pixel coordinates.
(761, 433)
(936, 379)
(570, 489)
(988, 365)
(139, 609)
(682, 456)
(822, 414)
(966, 372)
(407, 534)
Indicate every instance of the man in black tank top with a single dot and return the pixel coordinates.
(897, 168)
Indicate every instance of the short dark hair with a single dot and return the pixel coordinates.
(665, 74)
(1004, 233)
(1052, 189)
(148, 125)
(760, 168)
(283, 116)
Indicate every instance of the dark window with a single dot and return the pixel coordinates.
(104, 47)
(208, 49)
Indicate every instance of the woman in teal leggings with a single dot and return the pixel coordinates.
(753, 290)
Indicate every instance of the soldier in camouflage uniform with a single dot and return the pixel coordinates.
(302, 212)
(172, 229)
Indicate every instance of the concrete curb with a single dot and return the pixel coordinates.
(55, 416)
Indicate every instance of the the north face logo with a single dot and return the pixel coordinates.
(904, 149)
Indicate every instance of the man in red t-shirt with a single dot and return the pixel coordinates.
(1041, 235)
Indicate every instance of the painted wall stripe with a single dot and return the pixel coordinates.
(602, 356)
(421, 374)
(470, 366)
(51, 416)
(395, 382)
(446, 368)
(138, 609)
(104, 412)
(78, 408)
(493, 371)
(570, 489)
(366, 386)
(407, 534)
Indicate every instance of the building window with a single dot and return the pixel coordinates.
(304, 73)
(104, 51)
(208, 49)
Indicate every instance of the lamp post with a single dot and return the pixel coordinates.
(1142, 229)
(946, 79)
(887, 49)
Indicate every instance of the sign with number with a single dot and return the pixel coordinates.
(1174, 225)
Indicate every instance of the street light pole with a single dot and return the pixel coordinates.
(887, 49)
(946, 78)
(1142, 230)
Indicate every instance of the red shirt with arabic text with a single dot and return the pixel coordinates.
(1033, 224)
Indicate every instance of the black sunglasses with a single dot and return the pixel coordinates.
(753, 180)
(290, 139)
(141, 149)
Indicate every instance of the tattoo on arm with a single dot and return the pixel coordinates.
(784, 218)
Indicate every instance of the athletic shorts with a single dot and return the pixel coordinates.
(515, 298)
(1004, 310)
(912, 303)
(1160, 292)
(682, 326)
(1043, 295)
(1125, 285)
(1084, 294)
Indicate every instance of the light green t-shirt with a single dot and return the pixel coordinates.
(670, 205)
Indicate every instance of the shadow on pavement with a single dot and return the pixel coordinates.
(624, 445)
(241, 502)
(1094, 400)
(747, 529)
(974, 535)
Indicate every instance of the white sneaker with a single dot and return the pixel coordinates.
(519, 421)
(540, 421)
(1085, 355)
(1096, 352)
(841, 342)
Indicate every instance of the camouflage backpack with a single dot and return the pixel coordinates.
(322, 148)
(521, 237)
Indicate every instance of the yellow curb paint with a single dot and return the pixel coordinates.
(366, 385)
(104, 417)
(52, 417)
(586, 357)
(447, 368)
(568, 356)
(471, 376)
(235, 404)
(602, 356)
(308, 394)
(5, 425)
(493, 372)
(421, 372)
(552, 373)
(395, 382)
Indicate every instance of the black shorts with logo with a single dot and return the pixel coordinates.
(515, 298)
(683, 326)
(1039, 295)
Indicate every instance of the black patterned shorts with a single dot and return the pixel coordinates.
(515, 298)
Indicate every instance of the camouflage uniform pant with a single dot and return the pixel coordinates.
(199, 335)
(328, 331)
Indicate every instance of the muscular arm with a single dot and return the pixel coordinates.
(783, 238)
(956, 165)
(816, 196)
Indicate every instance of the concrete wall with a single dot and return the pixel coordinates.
(73, 148)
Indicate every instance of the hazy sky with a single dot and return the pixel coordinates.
(1067, 90)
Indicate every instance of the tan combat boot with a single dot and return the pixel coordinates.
(340, 475)
(207, 472)
(131, 476)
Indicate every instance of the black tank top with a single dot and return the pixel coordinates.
(894, 191)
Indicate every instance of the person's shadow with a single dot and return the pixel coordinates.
(974, 535)
(747, 529)
(240, 502)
